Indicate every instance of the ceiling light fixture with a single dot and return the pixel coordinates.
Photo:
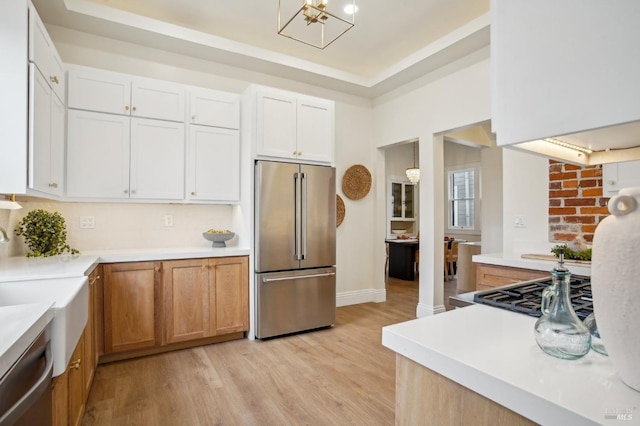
(312, 22)
(413, 173)
(568, 145)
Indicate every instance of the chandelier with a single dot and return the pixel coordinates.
(313, 22)
(413, 173)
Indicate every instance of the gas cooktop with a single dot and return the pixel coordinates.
(526, 297)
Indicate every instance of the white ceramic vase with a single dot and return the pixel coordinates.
(615, 283)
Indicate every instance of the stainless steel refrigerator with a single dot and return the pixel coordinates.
(295, 247)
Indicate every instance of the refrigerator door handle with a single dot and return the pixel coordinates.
(303, 233)
(298, 277)
(298, 217)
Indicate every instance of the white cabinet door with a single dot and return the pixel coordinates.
(46, 136)
(102, 91)
(40, 131)
(616, 176)
(57, 151)
(214, 164)
(43, 53)
(157, 99)
(157, 159)
(276, 126)
(97, 155)
(214, 108)
(315, 130)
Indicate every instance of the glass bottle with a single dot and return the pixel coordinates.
(559, 332)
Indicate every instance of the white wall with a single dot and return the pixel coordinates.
(453, 97)
(525, 192)
(492, 199)
(137, 225)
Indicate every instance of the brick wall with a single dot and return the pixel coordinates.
(576, 203)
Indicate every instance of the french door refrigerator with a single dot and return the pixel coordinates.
(295, 247)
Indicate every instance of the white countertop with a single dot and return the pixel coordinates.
(515, 260)
(21, 325)
(20, 268)
(494, 353)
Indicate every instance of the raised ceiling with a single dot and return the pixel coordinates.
(391, 43)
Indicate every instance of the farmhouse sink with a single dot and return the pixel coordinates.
(70, 300)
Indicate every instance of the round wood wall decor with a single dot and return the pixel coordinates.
(340, 210)
(356, 182)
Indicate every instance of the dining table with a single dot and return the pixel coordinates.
(402, 257)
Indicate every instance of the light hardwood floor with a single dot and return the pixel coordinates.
(337, 376)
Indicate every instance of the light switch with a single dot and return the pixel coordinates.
(519, 221)
(168, 220)
(87, 222)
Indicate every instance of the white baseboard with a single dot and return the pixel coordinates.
(424, 310)
(360, 296)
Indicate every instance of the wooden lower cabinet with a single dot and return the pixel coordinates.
(205, 297)
(152, 307)
(70, 390)
(491, 276)
(132, 303)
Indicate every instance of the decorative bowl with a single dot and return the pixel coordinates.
(218, 239)
(398, 231)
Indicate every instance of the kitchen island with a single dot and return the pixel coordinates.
(485, 362)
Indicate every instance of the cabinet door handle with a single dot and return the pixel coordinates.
(193, 193)
(133, 109)
(126, 191)
(133, 191)
(54, 79)
(126, 107)
(53, 185)
(299, 153)
(193, 117)
(76, 364)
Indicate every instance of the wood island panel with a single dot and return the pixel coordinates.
(491, 276)
(424, 397)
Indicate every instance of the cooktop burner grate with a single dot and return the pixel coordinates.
(526, 297)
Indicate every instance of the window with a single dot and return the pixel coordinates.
(463, 197)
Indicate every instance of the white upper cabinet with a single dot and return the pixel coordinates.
(117, 157)
(43, 53)
(294, 127)
(115, 93)
(46, 136)
(97, 90)
(315, 129)
(157, 99)
(97, 155)
(568, 69)
(213, 164)
(214, 108)
(276, 126)
(616, 176)
(157, 159)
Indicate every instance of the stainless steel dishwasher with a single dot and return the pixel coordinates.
(25, 390)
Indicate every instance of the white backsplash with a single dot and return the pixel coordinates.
(119, 225)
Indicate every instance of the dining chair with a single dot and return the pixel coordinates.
(446, 260)
(386, 261)
(452, 259)
(417, 260)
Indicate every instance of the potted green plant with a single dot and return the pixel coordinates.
(44, 233)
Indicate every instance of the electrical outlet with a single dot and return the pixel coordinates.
(519, 221)
(87, 222)
(168, 220)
